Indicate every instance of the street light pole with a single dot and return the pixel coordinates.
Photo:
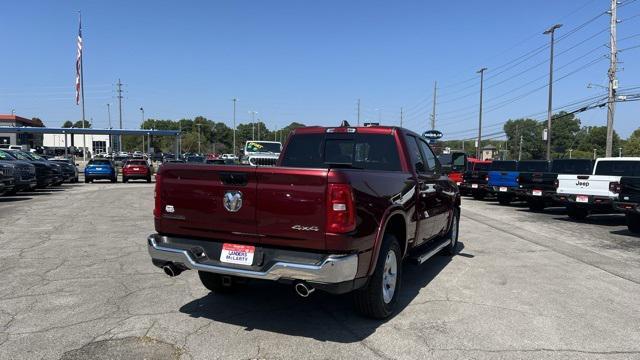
(142, 126)
(199, 125)
(479, 147)
(234, 126)
(551, 31)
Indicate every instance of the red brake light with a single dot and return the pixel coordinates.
(341, 213)
(614, 187)
(157, 210)
(556, 184)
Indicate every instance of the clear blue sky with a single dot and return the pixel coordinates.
(309, 61)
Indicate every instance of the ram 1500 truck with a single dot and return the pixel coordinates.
(340, 211)
(538, 188)
(474, 180)
(584, 194)
(629, 201)
(503, 180)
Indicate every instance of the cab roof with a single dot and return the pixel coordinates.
(376, 129)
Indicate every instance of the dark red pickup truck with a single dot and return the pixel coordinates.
(340, 211)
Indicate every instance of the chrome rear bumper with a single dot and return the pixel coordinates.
(330, 270)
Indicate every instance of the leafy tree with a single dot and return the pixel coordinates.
(78, 124)
(632, 145)
(531, 133)
(595, 137)
(37, 122)
(564, 128)
(67, 124)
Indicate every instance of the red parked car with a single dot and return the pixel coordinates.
(136, 169)
(454, 164)
(342, 210)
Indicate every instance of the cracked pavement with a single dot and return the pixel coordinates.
(77, 283)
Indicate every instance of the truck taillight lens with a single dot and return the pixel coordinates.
(486, 178)
(556, 184)
(341, 213)
(157, 210)
(614, 187)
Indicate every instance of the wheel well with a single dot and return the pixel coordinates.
(397, 226)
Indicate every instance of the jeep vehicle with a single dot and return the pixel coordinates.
(136, 169)
(538, 188)
(629, 201)
(99, 169)
(45, 173)
(340, 212)
(585, 194)
(503, 180)
(475, 179)
(261, 153)
(69, 169)
(6, 177)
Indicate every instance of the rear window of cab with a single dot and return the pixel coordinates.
(618, 168)
(359, 151)
(99, 162)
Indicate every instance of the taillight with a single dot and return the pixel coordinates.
(157, 192)
(614, 187)
(556, 184)
(486, 178)
(341, 213)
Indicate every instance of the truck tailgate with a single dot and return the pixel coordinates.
(193, 199)
(594, 185)
(291, 207)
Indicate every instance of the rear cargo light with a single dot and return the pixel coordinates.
(157, 210)
(341, 213)
(614, 187)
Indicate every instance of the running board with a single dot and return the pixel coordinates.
(430, 252)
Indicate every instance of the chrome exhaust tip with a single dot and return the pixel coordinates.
(304, 290)
(171, 270)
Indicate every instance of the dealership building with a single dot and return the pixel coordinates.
(30, 140)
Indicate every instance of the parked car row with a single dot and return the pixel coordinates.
(583, 186)
(26, 171)
(105, 169)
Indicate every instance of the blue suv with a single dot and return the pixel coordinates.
(98, 169)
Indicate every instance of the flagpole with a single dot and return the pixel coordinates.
(84, 145)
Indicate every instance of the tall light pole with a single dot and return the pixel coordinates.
(234, 125)
(552, 31)
(142, 126)
(109, 119)
(479, 147)
(199, 125)
(253, 124)
(613, 83)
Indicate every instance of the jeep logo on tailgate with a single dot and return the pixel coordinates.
(232, 201)
(582, 183)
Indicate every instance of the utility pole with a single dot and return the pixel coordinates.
(258, 129)
(401, 116)
(570, 153)
(358, 112)
(552, 31)
(611, 104)
(479, 147)
(234, 126)
(433, 111)
(119, 91)
(520, 150)
(595, 153)
(619, 152)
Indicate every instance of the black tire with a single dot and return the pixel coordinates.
(114, 180)
(369, 300)
(479, 195)
(149, 178)
(452, 234)
(10, 193)
(576, 213)
(633, 223)
(504, 200)
(86, 181)
(213, 282)
(536, 205)
(124, 179)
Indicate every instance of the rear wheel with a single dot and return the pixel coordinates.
(452, 249)
(633, 223)
(114, 179)
(124, 179)
(577, 213)
(504, 199)
(479, 195)
(149, 178)
(379, 297)
(86, 181)
(216, 283)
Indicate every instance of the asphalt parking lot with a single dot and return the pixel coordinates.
(77, 283)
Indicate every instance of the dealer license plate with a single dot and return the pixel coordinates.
(503, 189)
(98, 168)
(458, 183)
(136, 169)
(582, 199)
(536, 193)
(474, 186)
(237, 254)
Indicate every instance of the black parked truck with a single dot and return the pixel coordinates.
(629, 201)
(537, 180)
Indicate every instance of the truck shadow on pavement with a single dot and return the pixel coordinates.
(599, 219)
(274, 307)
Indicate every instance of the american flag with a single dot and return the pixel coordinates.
(79, 64)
